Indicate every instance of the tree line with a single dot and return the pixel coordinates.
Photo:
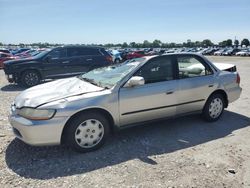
(147, 44)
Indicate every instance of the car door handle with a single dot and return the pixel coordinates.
(89, 59)
(211, 85)
(64, 62)
(169, 92)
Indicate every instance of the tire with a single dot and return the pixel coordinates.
(214, 108)
(87, 132)
(117, 61)
(30, 78)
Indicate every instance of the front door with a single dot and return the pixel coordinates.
(54, 63)
(155, 99)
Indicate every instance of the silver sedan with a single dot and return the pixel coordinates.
(82, 111)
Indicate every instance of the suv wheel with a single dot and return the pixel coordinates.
(117, 61)
(214, 108)
(87, 132)
(30, 78)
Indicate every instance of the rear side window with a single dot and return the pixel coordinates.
(73, 52)
(157, 70)
(190, 66)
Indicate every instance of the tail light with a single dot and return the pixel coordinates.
(109, 59)
(238, 79)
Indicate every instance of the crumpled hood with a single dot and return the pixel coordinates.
(53, 91)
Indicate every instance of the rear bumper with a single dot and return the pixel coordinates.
(234, 94)
(10, 78)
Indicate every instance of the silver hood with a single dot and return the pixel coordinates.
(53, 91)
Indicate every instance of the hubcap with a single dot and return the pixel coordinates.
(215, 108)
(31, 79)
(89, 133)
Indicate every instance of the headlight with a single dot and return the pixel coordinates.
(36, 114)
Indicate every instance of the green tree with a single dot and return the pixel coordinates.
(245, 42)
(207, 43)
(146, 44)
(236, 42)
(132, 44)
(1, 44)
(223, 43)
(156, 43)
(229, 42)
(124, 45)
(198, 44)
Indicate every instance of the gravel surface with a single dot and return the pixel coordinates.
(185, 152)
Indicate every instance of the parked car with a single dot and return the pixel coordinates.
(82, 111)
(116, 56)
(56, 63)
(220, 52)
(20, 50)
(210, 51)
(5, 51)
(232, 51)
(5, 57)
(245, 52)
(135, 54)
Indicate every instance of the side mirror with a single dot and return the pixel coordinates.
(47, 58)
(135, 81)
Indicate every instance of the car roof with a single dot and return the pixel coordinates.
(82, 46)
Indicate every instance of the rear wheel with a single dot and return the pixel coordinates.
(30, 78)
(214, 107)
(87, 132)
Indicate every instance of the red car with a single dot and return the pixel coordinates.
(5, 57)
(136, 54)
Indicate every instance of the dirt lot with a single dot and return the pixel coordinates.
(186, 152)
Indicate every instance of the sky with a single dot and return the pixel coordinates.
(118, 21)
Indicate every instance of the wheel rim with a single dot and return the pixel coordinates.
(31, 78)
(117, 61)
(215, 108)
(89, 133)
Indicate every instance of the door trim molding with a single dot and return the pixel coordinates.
(161, 107)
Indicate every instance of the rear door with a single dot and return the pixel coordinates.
(196, 82)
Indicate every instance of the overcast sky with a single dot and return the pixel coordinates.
(117, 21)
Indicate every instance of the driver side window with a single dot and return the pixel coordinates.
(159, 69)
(58, 53)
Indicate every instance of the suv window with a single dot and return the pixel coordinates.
(157, 70)
(190, 66)
(58, 53)
(90, 51)
(72, 52)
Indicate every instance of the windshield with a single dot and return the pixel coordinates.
(41, 54)
(107, 77)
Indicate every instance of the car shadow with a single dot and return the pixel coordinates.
(140, 142)
(12, 87)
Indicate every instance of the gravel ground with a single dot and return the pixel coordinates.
(185, 152)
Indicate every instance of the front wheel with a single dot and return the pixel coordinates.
(117, 61)
(30, 78)
(87, 132)
(214, 108)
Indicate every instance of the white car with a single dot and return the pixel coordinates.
(245, 52)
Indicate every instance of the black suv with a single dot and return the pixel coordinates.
(58, 62)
